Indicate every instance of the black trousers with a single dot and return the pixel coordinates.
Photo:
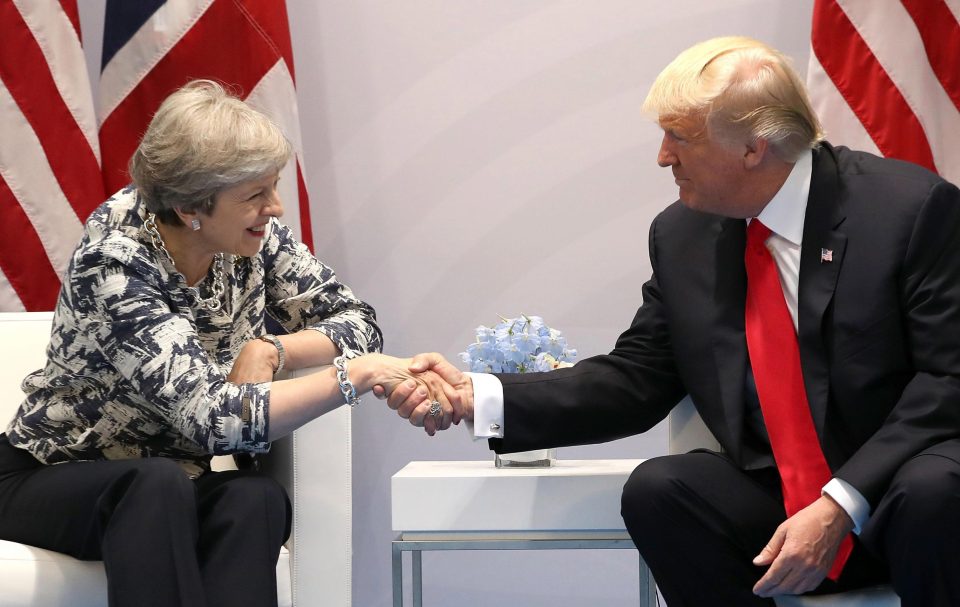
(698, 521)
(166, 540)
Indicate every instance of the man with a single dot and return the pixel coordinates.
(858, 395)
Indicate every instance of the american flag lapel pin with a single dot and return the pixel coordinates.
(826, 255)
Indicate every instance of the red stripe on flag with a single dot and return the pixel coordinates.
(70, 9)
(223, 45)
(940, 33)
(272, 21)
(25, 72)
(306, 226)
(866, 87)
(23, 258)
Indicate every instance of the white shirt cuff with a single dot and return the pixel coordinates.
(487, 406)
(855, 505)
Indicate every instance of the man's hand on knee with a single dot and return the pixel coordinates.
(802, 549)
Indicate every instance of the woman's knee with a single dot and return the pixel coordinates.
(269, 492)
(247, 495)
(150, 489)
(159, 478)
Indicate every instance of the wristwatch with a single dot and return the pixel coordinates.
(281, 354)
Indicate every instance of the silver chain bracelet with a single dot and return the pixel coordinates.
(347, 388)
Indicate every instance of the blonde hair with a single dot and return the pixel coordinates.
(737, 88)
(201, 140)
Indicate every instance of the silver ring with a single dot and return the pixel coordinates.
(435, 409)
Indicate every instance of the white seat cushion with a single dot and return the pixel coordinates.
(879, 596)
(33, 577)
(284, 579)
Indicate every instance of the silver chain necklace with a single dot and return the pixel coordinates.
(212, 303)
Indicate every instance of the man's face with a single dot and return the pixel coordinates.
(711, 174)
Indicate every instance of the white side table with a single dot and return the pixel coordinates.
(475, 506)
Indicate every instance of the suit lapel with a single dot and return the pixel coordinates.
(821, 257)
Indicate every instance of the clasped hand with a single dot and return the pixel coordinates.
(433, 379)
(410, 385)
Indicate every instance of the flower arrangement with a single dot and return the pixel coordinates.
(518, 345)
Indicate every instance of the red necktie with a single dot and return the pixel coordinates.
(775, 359)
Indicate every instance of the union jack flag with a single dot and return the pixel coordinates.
(50, 135)
(152, 47)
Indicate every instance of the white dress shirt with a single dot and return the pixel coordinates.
(784, 215)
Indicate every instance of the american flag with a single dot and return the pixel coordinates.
(49, 153)
(150, 48)
(884, 76)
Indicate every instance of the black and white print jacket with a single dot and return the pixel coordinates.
(136, 368)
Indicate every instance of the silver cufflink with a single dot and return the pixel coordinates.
(494, 426)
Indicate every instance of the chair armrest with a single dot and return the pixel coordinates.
(315, 466)
(687, 430)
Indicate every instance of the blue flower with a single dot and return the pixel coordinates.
(517, 345)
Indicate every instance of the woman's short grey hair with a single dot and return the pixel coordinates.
(201, 140)
(737, 88)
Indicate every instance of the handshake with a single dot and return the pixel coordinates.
(426, 390)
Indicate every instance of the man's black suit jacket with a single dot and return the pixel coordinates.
(879, 328)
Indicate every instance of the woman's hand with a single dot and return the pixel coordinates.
(440, 376)
(387, 373)
(255, 364)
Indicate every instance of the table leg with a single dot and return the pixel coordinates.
(397, 575)
(648, 586)
(417, 579)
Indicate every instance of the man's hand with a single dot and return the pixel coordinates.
(802, 549)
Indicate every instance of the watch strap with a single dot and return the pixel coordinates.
(281, 353)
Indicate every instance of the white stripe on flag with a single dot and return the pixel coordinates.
(275, 96)
(841, 125)
(60, 46)
(954, 6)
(24, 166)
(9, 300)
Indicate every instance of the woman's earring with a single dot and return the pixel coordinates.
(195, 224)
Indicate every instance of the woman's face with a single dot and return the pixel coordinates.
(238, 222)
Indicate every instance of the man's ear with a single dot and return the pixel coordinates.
(755, 153)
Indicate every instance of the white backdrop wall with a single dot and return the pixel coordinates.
(474, 158)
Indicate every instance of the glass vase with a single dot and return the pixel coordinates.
(538, 458)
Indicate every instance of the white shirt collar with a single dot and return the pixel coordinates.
(785, 212)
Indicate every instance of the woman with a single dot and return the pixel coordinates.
(159, 359)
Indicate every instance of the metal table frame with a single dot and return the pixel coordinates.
(417, 543)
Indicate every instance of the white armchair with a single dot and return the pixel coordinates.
(688, 432)
(314, 465)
